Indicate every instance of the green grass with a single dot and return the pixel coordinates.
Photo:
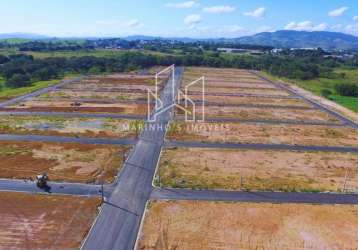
(7, 93)
(13, 92)
(317, 85)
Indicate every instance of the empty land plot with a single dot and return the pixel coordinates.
(233, 169)
(269, 114)
(211, 90)
(223, 225)
(64, 126)
(219, 72)
(219, 80)
(248, 100)
(126, 79)
(45, 222)
(236, 84)
(70, 106)
(67, 162)
(264, 133)
(109, 87)
(106, 96)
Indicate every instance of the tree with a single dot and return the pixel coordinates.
(326, 93)
(18, 80)
(347, 89)
(3, 59)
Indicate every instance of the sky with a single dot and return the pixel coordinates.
(175, 18)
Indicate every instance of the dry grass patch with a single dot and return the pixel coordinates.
(244, 113)
(210, 168)
(45, 222)
(67, 162)
(115, 96)
(68, 106)
(251, 91)
(218, 225)
(264, 133)
(238, 100)
(65, 126)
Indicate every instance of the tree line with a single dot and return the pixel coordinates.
(21, 70)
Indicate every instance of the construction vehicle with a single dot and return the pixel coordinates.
(41, 181)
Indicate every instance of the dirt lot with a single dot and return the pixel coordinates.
(218, 90)
(115, 96)
(267, 114)
(68, 106)
(67, 162)
(109, 87)
(235, 84)
(260, 170)
(264, 133)
(45, 222)
(189, 225)
(236, 100)
(61, 126)
(132, 79)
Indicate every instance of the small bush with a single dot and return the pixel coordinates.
(326, 92)
(18, 80)
(347, 89)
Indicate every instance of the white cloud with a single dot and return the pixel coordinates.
(133, 23)
(182, 5)
(320, 27)
(233, 29)
(338, 12)
(265, 28)
(258, 13)
(352, 29)
(355, 18)
(192, 19)
(219, 9)
(306, 26)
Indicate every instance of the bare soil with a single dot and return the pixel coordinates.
(267, 114)
(251, 100)
(235, 169)
(67, 162)
(59, 126)
(69, 94)
(188, 225)
(45, 222)
(264, 133)
(217, 90)
(68, 106)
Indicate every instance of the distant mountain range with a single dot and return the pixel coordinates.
(282, 39)
(302, 39)
(22, 36)
(278, 39)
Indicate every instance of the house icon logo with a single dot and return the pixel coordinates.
(182, 103)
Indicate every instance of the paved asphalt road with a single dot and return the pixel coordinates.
(62, 139)
(118, 223)
(261, 146)
(74, 114)
(54, 188)
(39, 92)
(340, 117)
(272, 197)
